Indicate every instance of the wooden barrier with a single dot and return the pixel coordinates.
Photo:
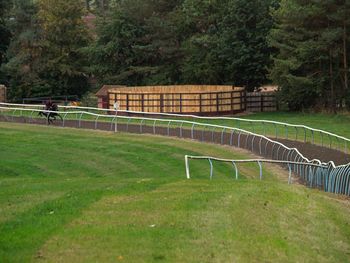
(199, 99)
(2, 93)
(261, 101)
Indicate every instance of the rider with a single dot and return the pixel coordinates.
(48, 105)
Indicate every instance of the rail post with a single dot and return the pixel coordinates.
(182, 123)
(96, 121)
(222, 135)
(290, 174)
(168, 129)
(192, 135)
(187, 167)
(154, 127)
(231, 137)
(64, 119)
(211, 169)
(141, 123)
(79, 122)
(261, 171)
(236, 169)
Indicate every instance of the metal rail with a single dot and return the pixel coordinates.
(256, 143)
(302, 132)
(322, 176)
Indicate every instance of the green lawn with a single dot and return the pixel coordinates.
(70, 195)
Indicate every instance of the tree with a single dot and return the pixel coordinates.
(5, 33)
(63, 35)
(244, 48)
(311, 65)
(136, 44)
(22, 65)
(201, 63)
(227, 43)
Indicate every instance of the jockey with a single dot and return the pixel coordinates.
(48, 105)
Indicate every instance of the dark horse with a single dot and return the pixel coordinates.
(49, 112)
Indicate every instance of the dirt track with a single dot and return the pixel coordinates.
(308, 150)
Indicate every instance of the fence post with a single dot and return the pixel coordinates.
(162, 103)
(261, 102)
(168, 130)
(217, 102)
(141, 125)
(192, 131)
(154, 127)
(81, 114)
(290, 174)
(180, 102)
(231, 138)
(143, 102)
(96, 122)
(232, 107)
(127, 101)
(211, 169)
(222, 135)
(187, 167)
(261, 172)
(236, 169)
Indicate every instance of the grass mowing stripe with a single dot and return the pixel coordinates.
(20, 238)
(120, 191)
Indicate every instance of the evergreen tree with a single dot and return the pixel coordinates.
(22, 66)
(201, 63)
(311, 65)
(5, 33)
(63, 35)
(136, 44)
(244, 48)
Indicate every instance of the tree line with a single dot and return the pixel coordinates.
(49, 47)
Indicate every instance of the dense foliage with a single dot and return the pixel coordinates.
(311, 63)
(48, 48)
(44, 56)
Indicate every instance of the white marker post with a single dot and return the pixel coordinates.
(116, 107)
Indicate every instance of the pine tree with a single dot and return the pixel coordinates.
(244, 49)
(311, 63)
(201, 63)
(22, 65)
(5, 33)
(137, 44)
(63, 35)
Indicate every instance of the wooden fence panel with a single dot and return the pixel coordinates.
(2, 93)
(200, 102)
(261, 101)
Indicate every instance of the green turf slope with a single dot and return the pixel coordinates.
(71, 195)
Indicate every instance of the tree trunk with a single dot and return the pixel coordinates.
(331, 82)
(345, 60)
(87, 3)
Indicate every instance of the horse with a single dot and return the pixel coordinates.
(49, 112)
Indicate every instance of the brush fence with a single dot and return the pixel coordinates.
(199, 99)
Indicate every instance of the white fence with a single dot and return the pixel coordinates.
(332, 179)
(278, 130)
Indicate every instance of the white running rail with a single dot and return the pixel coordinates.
(258, 143)
(334, 141)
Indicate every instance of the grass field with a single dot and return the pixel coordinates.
(71, 195)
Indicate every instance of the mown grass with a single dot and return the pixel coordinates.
(71, 195)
